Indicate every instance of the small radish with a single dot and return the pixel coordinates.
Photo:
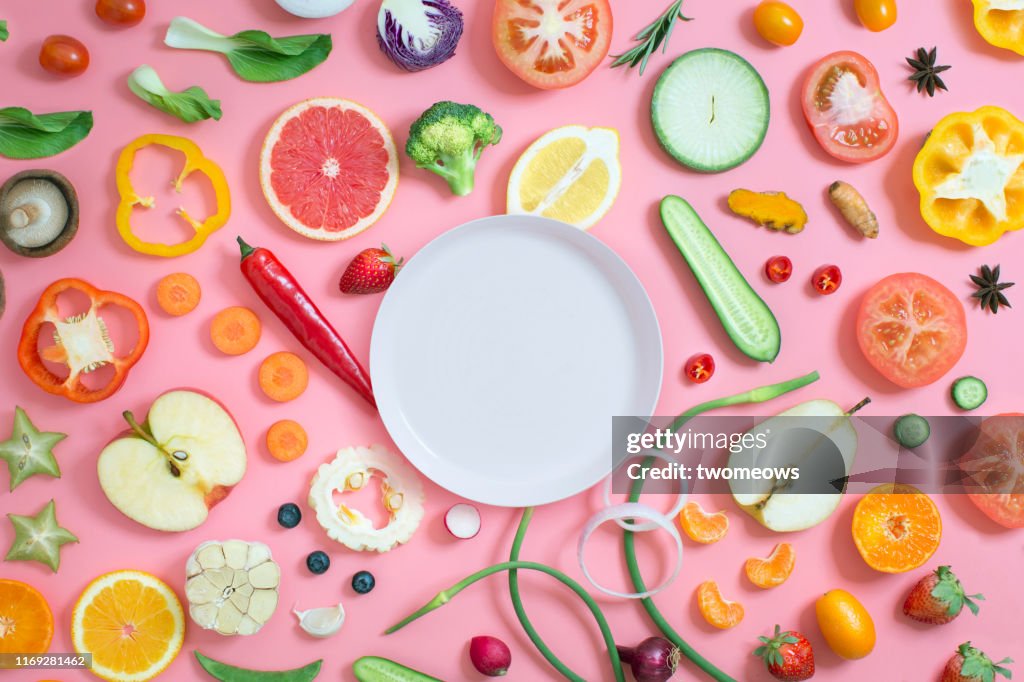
(462, 521)
(490, 655)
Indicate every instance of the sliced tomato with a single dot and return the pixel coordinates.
(911, 329)
(846, 110)
(994, 470)
(552, 43)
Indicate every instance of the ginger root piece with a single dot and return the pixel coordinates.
(772, 210)
(853, 208)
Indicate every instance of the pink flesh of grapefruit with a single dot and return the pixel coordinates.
(328, 168)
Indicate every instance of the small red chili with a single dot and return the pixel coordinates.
(700, 368)
(778, 269)
(826, 279)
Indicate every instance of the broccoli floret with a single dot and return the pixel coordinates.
(448, 139)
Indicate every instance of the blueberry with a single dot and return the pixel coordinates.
(318, 562)
(288, 515)
(363, 582)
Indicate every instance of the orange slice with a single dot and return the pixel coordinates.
(896, 528)
(26, 622)
(717, 611)
(774, 570)
(701, 526)
(131, 622)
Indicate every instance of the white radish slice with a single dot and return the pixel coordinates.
(630, 511)
(684, 489)
(321, 622)
(462, 521)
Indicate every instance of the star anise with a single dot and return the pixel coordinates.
(926, 73)
(990, 289)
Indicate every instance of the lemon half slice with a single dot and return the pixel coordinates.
(570, 174)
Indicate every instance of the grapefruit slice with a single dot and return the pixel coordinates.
(328, 168)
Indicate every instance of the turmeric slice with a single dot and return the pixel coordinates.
(853, 208)
(772, 210)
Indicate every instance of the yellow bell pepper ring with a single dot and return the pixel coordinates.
(1001, 23)
(194, 162)
(970, 174)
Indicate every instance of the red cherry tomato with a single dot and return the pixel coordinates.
(846, 109)
(700, 368)
(778, 269)
(121, 12)
(827, 279)
(64, 56)
(777, 22)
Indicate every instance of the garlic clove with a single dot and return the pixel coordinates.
(321, 622)
(235, 553)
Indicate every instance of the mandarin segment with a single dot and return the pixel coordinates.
(773, 570)
(718, 611)
(701, 526)
(896, 528)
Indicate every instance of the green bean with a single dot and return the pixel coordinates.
(230, 673)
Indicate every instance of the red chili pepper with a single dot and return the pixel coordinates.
(278, 289)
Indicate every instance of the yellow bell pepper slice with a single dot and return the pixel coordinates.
(970, 174)
(1001, 23)
(194, 162)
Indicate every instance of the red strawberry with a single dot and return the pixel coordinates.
(370, 272)
(972, 665)
(788, 655)
(939, 598)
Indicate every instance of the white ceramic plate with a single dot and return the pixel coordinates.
(503, 350)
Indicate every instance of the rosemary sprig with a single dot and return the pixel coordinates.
(656, 34)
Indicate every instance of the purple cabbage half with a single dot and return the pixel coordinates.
(418, 34)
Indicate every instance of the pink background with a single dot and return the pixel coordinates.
(817, 331)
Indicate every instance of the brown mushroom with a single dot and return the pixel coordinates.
(38, 213)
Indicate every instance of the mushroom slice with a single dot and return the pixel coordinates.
(401, 497)
(232, 586)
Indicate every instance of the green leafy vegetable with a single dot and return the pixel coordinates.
(190, 105)
(4, 33)
(23, 135)
(254, 55)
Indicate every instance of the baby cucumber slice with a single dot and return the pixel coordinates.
(969, 393)
(911, 430)
(710, 110)
(745, 316)
(377, 669)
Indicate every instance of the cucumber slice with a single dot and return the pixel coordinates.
(745, 316)
(969, 393)
(911, 430)
(710, 110)
(377, 669)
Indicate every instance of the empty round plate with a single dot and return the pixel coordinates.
(503, 350)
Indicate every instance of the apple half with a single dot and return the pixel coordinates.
(167, 472)
(818, 438)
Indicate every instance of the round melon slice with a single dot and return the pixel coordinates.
(328, 168)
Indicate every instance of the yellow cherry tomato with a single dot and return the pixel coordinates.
(777, 22)
(876, 15)
(846, 624)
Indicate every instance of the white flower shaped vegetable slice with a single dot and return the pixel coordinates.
(353, 468)
(231, 586)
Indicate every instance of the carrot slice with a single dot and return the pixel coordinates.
(283, 376)
(287, 440)
(235, 330)
(178, 293)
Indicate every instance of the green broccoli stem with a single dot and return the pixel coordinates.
(458, 171)
(757, 395)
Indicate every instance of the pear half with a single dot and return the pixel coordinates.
(816, 438)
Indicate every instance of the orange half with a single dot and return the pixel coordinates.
(896, 528)
(26, 622)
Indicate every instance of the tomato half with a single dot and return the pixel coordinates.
(911, 329)
(846, 110)
(552, 43)
(994, 470)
